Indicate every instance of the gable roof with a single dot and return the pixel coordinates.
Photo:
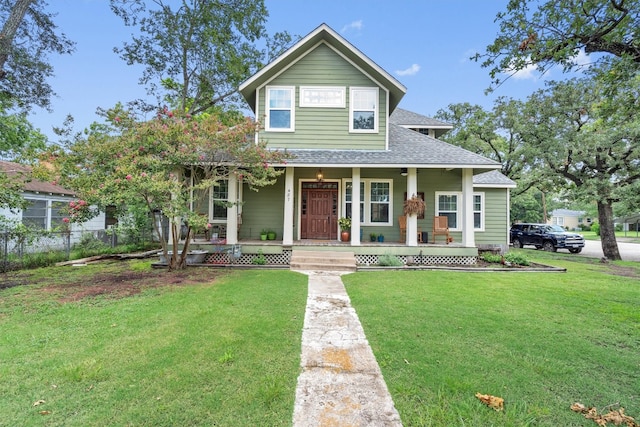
(16, 171)
(407, 148)
(325, 34)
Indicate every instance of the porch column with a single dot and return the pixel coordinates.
(355, 207)
(468, 233)
(232, 211)
(287, 226)
(412, 220)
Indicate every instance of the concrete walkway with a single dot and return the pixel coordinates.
(341, 383)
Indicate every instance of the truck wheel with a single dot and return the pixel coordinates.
(548, 246)
(575, 250)
(517, 243)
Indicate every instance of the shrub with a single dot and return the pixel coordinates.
(259, 259)
(492, 258)
(595, 227)
(516, 258)
(388, 260)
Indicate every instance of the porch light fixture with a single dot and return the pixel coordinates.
(319, 175)
(403, 171)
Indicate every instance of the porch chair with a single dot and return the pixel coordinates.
(441, 226)
(402, 222)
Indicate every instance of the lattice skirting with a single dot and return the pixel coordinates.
(247, 259)
(284, 258)
(421, 259)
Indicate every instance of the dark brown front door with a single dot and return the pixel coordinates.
(319, 209)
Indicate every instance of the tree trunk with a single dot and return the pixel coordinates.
(607, 231)
(9, 29)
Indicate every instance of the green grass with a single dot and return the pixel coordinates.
(631, 236)
(542, 341)
(206, 350)
(216, 348)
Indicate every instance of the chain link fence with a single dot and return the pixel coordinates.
(22, 250)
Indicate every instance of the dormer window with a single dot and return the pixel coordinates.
(363, 109)
(280, 111)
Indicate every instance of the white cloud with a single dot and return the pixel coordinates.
(409, 71)
(527, 73)
(581, 59)
(355, 25)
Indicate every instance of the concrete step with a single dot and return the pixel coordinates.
(322, 260)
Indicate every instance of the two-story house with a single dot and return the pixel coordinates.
(356, 154)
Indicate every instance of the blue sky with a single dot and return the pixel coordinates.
(425, 44)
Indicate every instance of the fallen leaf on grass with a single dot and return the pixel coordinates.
(617, 417)
(38, 402)
(45, 412)
(494, 402)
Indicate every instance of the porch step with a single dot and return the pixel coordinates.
(322, 261)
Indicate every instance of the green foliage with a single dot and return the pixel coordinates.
(388, 260)
(259, 259)
(213, 43)
(595, 227)
(162, 164)
(28, 36)
(344, 223)
(552, 33)
(492, 258)
(516, 258)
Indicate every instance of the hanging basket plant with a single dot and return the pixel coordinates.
(414, 205)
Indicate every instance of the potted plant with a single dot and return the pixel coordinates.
(380, 237)
(414, 206)
(345, 228)
(271, 235)
(263, 234)
(373, 237)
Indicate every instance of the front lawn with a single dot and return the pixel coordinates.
(541, 341)
(122, 344)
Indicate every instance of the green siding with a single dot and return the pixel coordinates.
(263, 209)
(495, 217)
(324, 127)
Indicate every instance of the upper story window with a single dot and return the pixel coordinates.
(280, 108)
(322, 96)
(363, 109)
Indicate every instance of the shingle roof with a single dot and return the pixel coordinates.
(567, 212)
(493, 178)
(23, 173)
(407, 148)
(407, 118)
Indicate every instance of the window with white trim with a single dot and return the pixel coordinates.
(450, 205)
(363, 109)
(322, 96)
(220, 197)
(44, 214)
(280, 108)
(478, 211)
(375, 201)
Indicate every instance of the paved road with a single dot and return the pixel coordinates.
(628, 251)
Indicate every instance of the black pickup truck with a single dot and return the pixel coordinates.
(547, 237)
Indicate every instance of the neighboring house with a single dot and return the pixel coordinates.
(46, 203)
(570, 220)
(336, 112)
